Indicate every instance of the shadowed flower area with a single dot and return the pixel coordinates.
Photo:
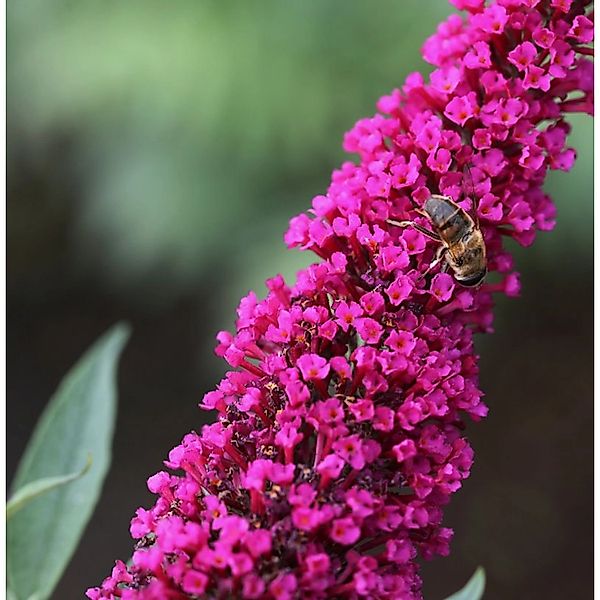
(339, 437)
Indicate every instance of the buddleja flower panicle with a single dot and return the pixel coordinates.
(340, 433)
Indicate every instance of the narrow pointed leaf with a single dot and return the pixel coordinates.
(30, 491)
(474, 588)
(78, 421)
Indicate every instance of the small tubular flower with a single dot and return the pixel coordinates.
(340, 433)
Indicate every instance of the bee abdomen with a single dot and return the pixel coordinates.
(449, 219)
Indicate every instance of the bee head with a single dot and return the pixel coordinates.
(473, 279)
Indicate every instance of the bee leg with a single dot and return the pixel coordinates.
(416, 207)
(430, 234)
(474, 216)
(440, 256)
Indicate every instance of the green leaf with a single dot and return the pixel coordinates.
(78, 421)
(474, 588)
(32, 490)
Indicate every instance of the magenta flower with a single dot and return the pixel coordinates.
(339, 436)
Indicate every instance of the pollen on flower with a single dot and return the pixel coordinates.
(340, 433)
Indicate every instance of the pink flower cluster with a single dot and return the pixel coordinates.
(339, 436)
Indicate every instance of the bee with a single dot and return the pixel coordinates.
(462, 245)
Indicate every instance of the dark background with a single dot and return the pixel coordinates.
(155, 153)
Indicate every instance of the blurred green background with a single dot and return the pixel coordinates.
(156, 151)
